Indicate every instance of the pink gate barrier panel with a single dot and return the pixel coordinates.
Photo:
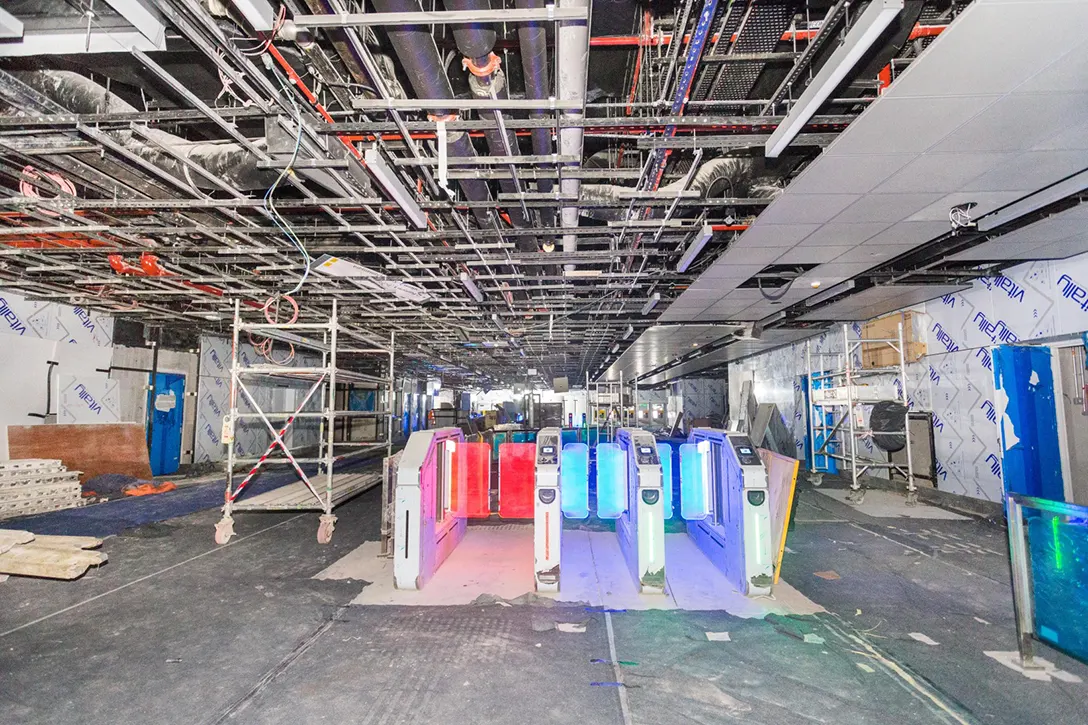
(517, 463)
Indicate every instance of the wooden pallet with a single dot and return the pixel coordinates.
(296, 497)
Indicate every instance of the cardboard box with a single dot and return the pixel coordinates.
(882, 355)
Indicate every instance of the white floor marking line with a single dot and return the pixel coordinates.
(624, 706)
(147, 576)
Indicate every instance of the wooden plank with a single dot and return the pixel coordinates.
(93, 449)
(49, 563)
(295, 496)
(74, 542)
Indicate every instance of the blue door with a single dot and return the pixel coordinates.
(166, 410)
(1028, 421)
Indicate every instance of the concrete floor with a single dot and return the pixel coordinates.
(174, 629)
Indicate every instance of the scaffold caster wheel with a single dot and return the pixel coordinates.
(224, 530)
(856, 497)
(815, 478)
(912, 498)
(324, 529)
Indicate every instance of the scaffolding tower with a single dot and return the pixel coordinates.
(837, 398)
(604, 405)
(326, 338)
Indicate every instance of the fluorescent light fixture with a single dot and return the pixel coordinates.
(582, 273)
(367, 278)
(387, 177)
(470, 285)
(865, 31)
(696, 246)
(1034, 202)
(630, 331)
(651, 303)
(841, 288)
(615, 348)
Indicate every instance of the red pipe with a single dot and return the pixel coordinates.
(919, 31)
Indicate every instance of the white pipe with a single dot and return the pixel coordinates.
(572, 64)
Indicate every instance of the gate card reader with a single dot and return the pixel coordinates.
(547, 513)
(733, 528)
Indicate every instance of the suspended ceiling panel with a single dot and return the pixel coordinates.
(731, 353)
(1055, 237)
(877, 301)
(663, 343)
(984, 115)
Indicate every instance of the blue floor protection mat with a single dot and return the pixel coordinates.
(113, 517)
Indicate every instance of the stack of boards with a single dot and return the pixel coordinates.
(53, 557)
(34, 485)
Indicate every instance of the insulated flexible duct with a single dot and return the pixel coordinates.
(728, 176)
(414, 47)
(79, 94)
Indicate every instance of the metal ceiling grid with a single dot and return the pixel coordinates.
(173, 157)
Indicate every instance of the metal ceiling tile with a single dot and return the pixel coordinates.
(929, 120)
(885, 207)
(1017, 122)
(836, 234)
(941, 172)
(848, 174)
(969, 59)
(793, 208)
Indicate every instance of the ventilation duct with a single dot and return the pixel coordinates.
(727, 176)
(78, 94)
(572, 65)
(533, 38)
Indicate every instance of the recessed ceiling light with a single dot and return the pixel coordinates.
(815, 284)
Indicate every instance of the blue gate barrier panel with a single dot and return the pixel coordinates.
(664, 452)
(694, 481)
(574, 481)
(611, 481)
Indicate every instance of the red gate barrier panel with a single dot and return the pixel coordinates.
(517, 468)
(474, 468)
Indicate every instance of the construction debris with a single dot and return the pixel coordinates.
(52, 557)
(34, 485)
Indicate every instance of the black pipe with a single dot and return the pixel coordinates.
(476, 41)
(415, 48)
(50, 364)
(534, 65)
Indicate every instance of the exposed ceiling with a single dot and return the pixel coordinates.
(220, 154)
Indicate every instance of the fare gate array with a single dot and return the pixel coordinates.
(442, 481)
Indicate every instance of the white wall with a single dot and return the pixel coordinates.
(81, 342)
(955, 379)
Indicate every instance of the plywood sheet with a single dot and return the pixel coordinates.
(781, 484)
(92, 449)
